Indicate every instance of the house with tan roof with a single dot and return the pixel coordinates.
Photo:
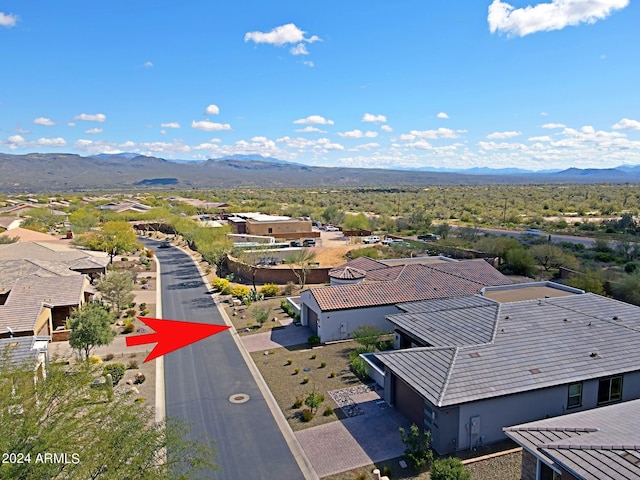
(364, 291)
(466, 367)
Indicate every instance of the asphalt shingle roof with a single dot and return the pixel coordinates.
(595, 444)
(411, 283)
(536, 344)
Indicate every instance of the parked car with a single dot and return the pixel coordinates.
(331, 228)
(371, 239)
(295, 243)
(165, 244)
(308, 242)
(429, 237)
(534, 232)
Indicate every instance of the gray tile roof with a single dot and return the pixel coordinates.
(536, 344)
(19, 349)
(594, 444)
(13, 270)
(53, 252)
(408, 283)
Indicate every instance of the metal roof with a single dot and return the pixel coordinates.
(598, 443)
(536, 344)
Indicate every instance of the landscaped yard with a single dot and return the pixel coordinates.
(245, 320)
(287, 381)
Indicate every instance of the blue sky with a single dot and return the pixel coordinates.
(453, 84)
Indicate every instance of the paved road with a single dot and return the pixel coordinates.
(201, 378)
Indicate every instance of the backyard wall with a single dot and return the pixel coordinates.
(279, 276)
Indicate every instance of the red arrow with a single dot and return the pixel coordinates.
(172, 335)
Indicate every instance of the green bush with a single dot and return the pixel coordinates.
(270, 290)
(327, 412)
(289, 361)
(108, 356)
(314, 340)
(313, 357)
(297, 403)
(305, 380)
(129, 327)
(220, 284)
(95, 360)
(296, 371)
(116, 370)
(132, 364)
(332, 375)
(131, 313)
(239, 291)
(449, 469)
(140, 400)
(323, 364)
(306, 415)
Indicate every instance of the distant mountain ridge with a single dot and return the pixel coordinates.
(38, 172)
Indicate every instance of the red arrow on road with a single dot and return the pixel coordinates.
(171, 335)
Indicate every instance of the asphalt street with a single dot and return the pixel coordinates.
(201, 378)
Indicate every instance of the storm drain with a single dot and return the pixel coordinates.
(239, 398)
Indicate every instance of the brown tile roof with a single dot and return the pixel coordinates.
(413, 283)
(346, 273)
(364, 263)
(26, 235)
(29, 294)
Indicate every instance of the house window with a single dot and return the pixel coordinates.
(610, 389)
(575, 395)
(270, 230)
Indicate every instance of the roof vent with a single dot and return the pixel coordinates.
(566, 320)
(535, 371)
(507, 317)
(594, 355)
(474, 355)
(615, 317)
(539, 302)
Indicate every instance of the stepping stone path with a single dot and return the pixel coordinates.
(343, 397)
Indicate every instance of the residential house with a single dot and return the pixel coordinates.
(510, 355)
(365, 291)
(26, 350)
(591, 445)
(9, 222)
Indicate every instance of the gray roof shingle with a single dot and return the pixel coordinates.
(536, 344)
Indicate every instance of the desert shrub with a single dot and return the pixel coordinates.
(107, 357)
(332, 375)
(296, 371)
(261, 314)
(140, 400)
(323, 364)
(149, 253)
(269, 290)
(305, 380)
(144, 281)
(139, 378)
(449, 469)
(132, 305)
(142, 306)
(327, 412)
(313, 357)
(131, 313)
(239, 291)
(219, 284)
(306, 415)
(361, 476)
(95, 360)
(288, 289)
(297, 403)
(132, 364)
(128, 327)
(124, 259)
(289, 361)
(314, 340)
(116, 370)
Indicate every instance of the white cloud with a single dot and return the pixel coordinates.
(442, 115)
(314, 120)
(358, 134)
(420, 145)
(545, 138)
(170, 125)
(93, 131)
(501, 135)
(212, 110)
(433, 134)
(98, 117)
(370, 117)
(8, 20)
(208, 126)
(553, 125)
(299, 49)
(44, 121)
(52, 142)
(386, 128)
(16, 139)
(308, 63)
(281, 35)
(147, 65)
(627, 124)
(544, 114)
(310, 129)
(556, 15)
(71, 124)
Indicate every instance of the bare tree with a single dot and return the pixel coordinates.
(301, 263)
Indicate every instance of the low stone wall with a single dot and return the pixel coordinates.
(279, 276)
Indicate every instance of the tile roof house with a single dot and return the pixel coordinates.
(592, 445)
(466, 367)
(333, 312)
(21, 350)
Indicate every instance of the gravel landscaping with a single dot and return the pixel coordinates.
(288, 386)
(249, 324)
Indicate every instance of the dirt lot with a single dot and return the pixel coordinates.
(287, 385)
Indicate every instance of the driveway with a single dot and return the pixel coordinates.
(283, 337)
(355, 442)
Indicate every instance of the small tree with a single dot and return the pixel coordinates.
(551, 256)
(114, 238)
(367, 335)
(261, 314)
(300, 264)
(449, 469)
(418, 447)
(90, 327)
(313, 400)
(116, 288)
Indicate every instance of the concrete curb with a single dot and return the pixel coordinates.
(289, 437)
(160, 390)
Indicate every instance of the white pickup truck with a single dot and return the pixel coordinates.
(371, 239)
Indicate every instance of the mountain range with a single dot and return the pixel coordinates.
(41, 172)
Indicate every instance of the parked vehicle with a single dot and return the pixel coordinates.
(534, 232)
(295, 243)
(371, 239)
(165, 245)
(331, 228)
(308, 242)
(429, 237)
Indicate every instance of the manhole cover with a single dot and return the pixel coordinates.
(239, 398)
